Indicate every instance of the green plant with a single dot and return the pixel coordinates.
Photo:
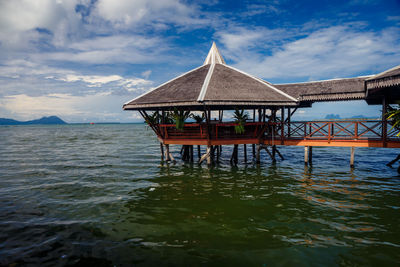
(152, 119)
(394, 115)
(179, 117)
(240, 118)
(198, 118)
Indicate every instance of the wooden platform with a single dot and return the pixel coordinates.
(351, 133)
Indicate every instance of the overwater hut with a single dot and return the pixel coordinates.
(216, 87)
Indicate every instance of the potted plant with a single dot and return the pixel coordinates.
(240, 118)
(179, 117)
(198, 118)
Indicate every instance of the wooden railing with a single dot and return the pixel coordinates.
(306, 130)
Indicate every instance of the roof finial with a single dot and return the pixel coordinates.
(214, 56)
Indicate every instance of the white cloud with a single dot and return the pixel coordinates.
(325, 53)
(125, 13)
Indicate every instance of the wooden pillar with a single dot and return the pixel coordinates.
(258, 154)
(162, 151)
(209, 155)
(352, 157)
(245, 152)
(384, 121)
(234, 157)
(198, 152)
(288, 120)
(273, 153)
(167, 154)
(308, 155)
(191, 153)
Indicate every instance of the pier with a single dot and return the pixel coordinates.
(262, 112)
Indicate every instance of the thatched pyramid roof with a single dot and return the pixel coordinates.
(213, 84)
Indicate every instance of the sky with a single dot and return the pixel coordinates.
(82, 59)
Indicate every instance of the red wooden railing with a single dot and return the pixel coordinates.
(295, 130)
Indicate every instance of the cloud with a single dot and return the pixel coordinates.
(110, 49)
(124, 13)
(325, 53)
(97, 107)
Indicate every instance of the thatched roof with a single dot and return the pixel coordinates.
(217, 85)
(385, 84)
(387, 78)
(214, 84)
(328, 90)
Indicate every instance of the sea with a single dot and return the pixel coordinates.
(99, 195)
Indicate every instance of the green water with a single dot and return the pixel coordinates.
(98, 195)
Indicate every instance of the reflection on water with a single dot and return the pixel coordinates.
(98, 195)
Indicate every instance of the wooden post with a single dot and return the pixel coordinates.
(191, 153)
(308, 155)
(167, 154)
(208, 155)
(198, 152)
(258, 154)
(282, 125)
(162, 151)
(352, 157)
(384, 121)
(273, 153)
(234, 157)
(288, 120)
(245, 152)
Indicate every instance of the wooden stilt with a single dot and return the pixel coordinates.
(209, 155)
(253, 148)
(167, 154)
(218, 152)
(393, 161)
(245, 152)
(258, 154)
(234, 157)
(198, 152)
(352, 157)
(306, 150)
(273, 153)
(279, 154)
(269, 153)
(162, 151)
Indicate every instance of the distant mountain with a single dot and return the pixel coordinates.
(359, 117)
(44, 120)
(332, 117)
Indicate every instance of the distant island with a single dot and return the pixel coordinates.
(337, 117)
(44, 120)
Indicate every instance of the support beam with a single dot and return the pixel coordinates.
(209, 162)
(273, 157)
(245, 152)
(352, 157)
(234, 157)
(258, 153)
(308, 155)
(393, 161)
(162, 151)
(384, 121)
(198, 151)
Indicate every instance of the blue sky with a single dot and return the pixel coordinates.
(82, 59)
